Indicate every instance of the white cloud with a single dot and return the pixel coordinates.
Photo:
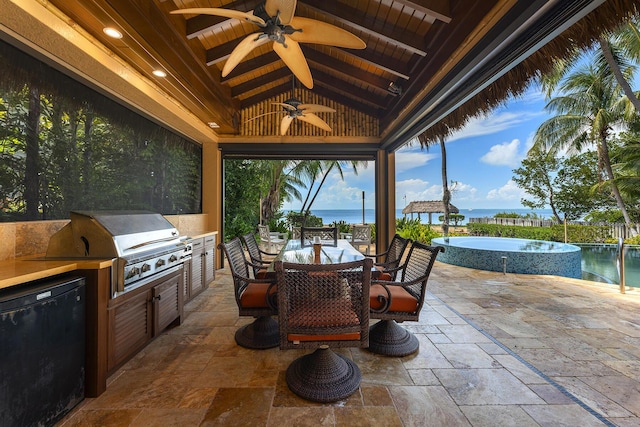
(410, 158)
(410, 190)
(494, 123)
(505, 154)
(508, 192)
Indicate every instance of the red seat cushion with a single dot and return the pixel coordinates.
(255, 295)
(401, 300)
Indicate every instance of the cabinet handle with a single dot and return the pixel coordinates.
(156, 298)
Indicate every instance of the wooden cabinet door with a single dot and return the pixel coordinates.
(130, 326)
(167, 301)
(209, 259)
(197, 268)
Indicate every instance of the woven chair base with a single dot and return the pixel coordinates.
(390, 339)
(260, 334)
(323, 376)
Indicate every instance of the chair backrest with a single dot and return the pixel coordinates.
(417, 268)
(324, 304)
(396, 249)
(361, 233)
(295, 233)
(235, 256)
(264, 233)
(255, 254)
(328, 235)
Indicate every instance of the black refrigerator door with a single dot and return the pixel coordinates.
(42, 352)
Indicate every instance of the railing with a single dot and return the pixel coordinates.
(620, 264)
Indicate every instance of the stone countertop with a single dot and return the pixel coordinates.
(23, 270)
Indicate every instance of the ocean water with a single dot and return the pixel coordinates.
(354, 216)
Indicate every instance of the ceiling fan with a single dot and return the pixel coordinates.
(279, 25)
(295, 109)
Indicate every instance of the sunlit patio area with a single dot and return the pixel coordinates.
(495, 350)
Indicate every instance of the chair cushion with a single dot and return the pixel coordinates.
(380, 274)
(255, 295)
(401, 300)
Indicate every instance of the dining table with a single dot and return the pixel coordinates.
(297, 252)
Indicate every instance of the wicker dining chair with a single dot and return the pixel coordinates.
(254, 297)
(328, 235)
(387, 263)
(398, 301)
(322, 306)
(258, 263)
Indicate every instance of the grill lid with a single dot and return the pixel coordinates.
(111, 234)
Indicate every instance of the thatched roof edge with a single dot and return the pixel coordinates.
(581, 35)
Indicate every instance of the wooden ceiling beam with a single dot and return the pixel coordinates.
(347, 70)
(355, 19)
(263, 96)
(251, 65)
(439, 9)
(351, 90)
(203, 23)
(256, 83)
(329, 93)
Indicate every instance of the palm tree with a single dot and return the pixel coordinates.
(316, 169)
(283, 183)
(590, 107)
(446, 193)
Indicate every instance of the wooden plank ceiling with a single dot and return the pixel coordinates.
(409, 44)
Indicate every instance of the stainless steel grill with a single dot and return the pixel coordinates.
(142, 244)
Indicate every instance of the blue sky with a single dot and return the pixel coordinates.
(481, 158)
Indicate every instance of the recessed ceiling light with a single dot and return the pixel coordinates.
(159, 73)
(213, 125)
(112, 32)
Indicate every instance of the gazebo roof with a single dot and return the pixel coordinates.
(428, 206)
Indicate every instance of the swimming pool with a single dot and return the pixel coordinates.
(599, 264)
(511, 255)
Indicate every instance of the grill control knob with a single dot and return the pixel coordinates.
(173, 258)
(160, 263)
(146, 267)
(134, 271)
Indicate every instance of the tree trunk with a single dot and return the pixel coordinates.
(32, 149)
(446, 194)
(615, 69)
(614, 187)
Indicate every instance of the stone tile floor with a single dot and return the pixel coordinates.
(495, 350)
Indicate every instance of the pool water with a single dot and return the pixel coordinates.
(599, 264)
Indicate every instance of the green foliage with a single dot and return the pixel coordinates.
(297, 219)
(343, 226)
(85, 160)
(455, 218)
(555, 233)
(414, 230)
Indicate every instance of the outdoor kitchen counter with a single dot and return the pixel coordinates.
(23, 270)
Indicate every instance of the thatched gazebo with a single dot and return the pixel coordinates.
(428, 206)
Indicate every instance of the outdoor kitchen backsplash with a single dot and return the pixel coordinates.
(29, 238)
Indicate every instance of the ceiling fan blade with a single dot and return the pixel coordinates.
(319, 32)
(244, 47)
(294, 59)
(284, 125)
(287, 9)
(316, 108)
(315, 120)
(285, 105)
(227, 13)
(262, 115)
